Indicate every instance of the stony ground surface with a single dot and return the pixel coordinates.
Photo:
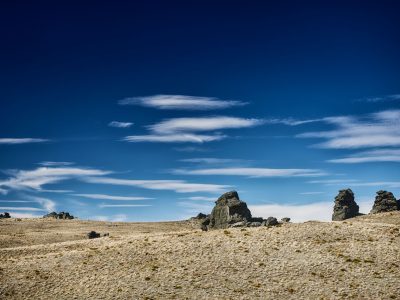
(358, 258)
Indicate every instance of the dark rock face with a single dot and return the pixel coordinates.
(345, 206)
(384, 201)
(93, 235)
(271, 221)
(62, 215)
(6, 215)
(229, 209)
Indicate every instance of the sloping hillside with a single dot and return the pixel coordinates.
(358, 258)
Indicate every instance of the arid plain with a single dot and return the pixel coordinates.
(52, 259)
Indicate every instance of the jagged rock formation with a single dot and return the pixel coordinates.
(6, 215)
(345, 206)
(62, 215)
(384, 201)
(229, 209)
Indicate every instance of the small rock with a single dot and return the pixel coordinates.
(93, 235)
(238, 224)
(285, 220)
(254, 224)
(271, 221)
(6, 215)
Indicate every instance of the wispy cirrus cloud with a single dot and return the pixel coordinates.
(15, 141)
(252, 172)
(179, 186)
(181, 102)
(111, 197)
(174, 138)
(385, 98)
(11, 208)
(379, 155)
(179, 130)
(178, 125)
(35, 179)
(381, 129)
(120, 124)
(213, 160)
(123, 205)
(291, 121)
(55, 163)
(200, 198)
(357, 183)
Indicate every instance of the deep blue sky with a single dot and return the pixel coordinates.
(65, 66)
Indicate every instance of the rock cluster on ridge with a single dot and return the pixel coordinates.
(6, 215)
(345, 206)
(384, 201)
(62, 215)
(229, 209)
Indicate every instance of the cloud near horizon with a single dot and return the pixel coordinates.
(251, 172)
(181, 102)
(16, 141)
(381, 129)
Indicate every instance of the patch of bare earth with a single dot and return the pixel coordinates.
(358, 258)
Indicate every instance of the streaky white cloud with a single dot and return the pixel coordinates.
(319, 211)
(35, 179)
(291, 121)
(252, 172)
(14, 141)
(113, 218)
(11, 208)
(123, 205)
(181, 125)
(174, 138)
(380, 155)
(212, 160)
(385, 98)
(15, 201)
(381, 129)
(179, 186)
(55, 163)
(357, 183)
(120, 124)
(47, 204)
(111, 197)
(311, 193)
(193, 208)
(56, 191)
(181, 102)
(200, 198)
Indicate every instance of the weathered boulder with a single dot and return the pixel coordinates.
(345, 206)
(204, 224)
(285, 220)
(6, 215)
(270, 221)
(254, 224)
(384, 201)
(93, 235)
(229, 209)
(62, 215)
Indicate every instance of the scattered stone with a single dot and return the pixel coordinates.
(384, 201)
(93, 235)
(106, 234)
(254, 224)
(285, 220)
(6, 215)
(345, 206)
(204, 224)
(229, 209)
(62, 215)
(270, 221)
(238, 224)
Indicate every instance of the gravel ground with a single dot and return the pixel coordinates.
(358, 258)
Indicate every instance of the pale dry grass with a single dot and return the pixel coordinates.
(359, 259)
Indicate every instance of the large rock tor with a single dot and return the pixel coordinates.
(384, 201)
(229, 209)
(345, 206)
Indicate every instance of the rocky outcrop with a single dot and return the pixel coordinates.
(345, 206)
(6, 215)
(384, 201)
(271, 221)
(229, 209)
(62, 215)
